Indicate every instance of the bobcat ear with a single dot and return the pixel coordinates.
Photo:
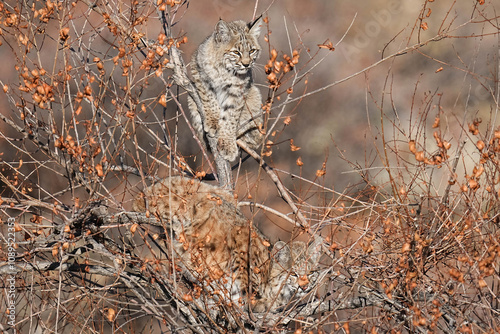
(281, 254)
(222, 31)
(314, 250)
(255, 26)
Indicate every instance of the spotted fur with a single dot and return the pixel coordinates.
(220, 250)
(222, 73)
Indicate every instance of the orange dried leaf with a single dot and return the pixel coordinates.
(419, 156)
(274, 55)
(473, 129)
(327, 45)
(64, 33)
(271, 77)
(111, 314)
(478, 171)
(303, 281)
(457, 275)
(473, 184)
(133, 228)
(480, 145)
(406, 247)
(130, 114)
(436, 123)
(55, 250)
(163, 100)
(412, 146)
(293, 147)
(320, 172)
(99, 170)
(299, 162)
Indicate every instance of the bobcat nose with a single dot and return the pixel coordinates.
(245, 62)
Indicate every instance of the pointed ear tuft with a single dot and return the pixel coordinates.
(254, 27)
(314, 250)
(222, 31)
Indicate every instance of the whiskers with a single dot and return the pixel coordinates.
(258, 69)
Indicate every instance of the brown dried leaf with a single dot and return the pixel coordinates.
(99, 170)
(163, 100)
(320, 172)
(480, 145)
(419, 156)
(111, 314)
(436, 122)
(133, 228)
(303, 281)
(412, 146)
(327, 45)
(406, 248)
(64, 33)
(293, 147)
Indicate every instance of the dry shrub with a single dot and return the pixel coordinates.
(96, 113)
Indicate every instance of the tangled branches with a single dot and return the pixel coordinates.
(95, 115)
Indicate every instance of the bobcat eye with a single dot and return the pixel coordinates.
(237, 53)
(253, 51)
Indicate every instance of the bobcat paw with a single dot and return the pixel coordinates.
(227, 149)
(210, 128)
(253, 138)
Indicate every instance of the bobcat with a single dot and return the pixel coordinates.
(220, 251)
(222, 73)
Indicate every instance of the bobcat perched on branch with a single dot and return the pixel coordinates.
(219, 250)
(222, 73)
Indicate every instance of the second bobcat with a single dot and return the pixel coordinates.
(222, 73)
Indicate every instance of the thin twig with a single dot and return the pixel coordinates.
(282, 190)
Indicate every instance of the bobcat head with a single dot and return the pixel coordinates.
(239, 43)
